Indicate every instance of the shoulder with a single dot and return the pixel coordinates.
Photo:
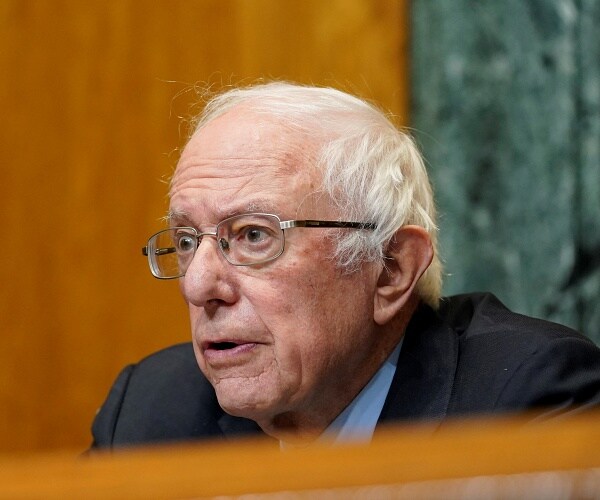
(508, 361)
(481, 314)
(169, 373)
(482, 321)
(163, 397)
(176, 360)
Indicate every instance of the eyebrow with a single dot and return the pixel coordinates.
(257, 206)
(177, 215)
(264, 206)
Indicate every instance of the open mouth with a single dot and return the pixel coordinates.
(222, 346)
(227, 349)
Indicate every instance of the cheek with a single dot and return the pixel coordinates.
(315, 315)
(291, 309)
(200, 361)
(195, 317)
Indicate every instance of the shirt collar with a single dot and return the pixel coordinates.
(357, 422)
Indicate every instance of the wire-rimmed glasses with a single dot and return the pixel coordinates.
(244, 240)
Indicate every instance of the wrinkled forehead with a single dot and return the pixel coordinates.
(242, 154)
(243, 139)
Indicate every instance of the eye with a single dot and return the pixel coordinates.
(254, 234)
(185, 243)
(250, 233)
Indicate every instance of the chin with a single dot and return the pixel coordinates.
(254, 408)
(258, 413)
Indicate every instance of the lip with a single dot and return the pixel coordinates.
(227, 351)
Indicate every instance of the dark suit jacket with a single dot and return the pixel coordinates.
(472, 357)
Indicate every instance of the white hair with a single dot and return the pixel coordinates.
(372, 171)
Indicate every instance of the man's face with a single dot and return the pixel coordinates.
(292, 339)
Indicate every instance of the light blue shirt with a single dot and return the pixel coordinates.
(357, 422)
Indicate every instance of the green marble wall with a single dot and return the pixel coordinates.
(506, 106)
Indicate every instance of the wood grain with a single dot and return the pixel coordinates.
(505, 458)
(92, 94)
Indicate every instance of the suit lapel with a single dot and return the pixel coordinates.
(424, 378)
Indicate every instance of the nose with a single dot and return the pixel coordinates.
(208, 281)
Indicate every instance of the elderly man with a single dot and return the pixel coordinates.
(302, 231)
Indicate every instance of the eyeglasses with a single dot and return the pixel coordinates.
(244, 240)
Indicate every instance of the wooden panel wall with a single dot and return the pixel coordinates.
(91, 93)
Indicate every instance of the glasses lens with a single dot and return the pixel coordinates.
(250, 239)
(171, 252)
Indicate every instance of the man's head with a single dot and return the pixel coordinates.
(291, 341)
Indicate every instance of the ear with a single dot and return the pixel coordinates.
(408, 255)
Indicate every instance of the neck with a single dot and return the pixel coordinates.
(295, 429)
(300, 428)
